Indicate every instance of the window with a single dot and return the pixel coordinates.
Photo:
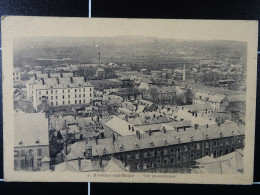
(79, 101)
(185, 157)
(63, 91)
(22, 153)
(75, 101)
(185, 148)
(198, 155)
(46, 92)
(63, 97)
(16, 153)
(165, 161)
(22, 164)
(39, 152)
(84, 101)
(172, 150)
(137, 166)
(158, 161)
(145, 154)
(75, 95)
(56, 91)
(56, 97)
(198, 145)
(172, 160)
(90, 94)
(79, 90)
(56, 103)
(79, 95)
(63, 102)
(68, 96)
(152, 164)
(39, 98)
(83, 89)
(191, 156)
(220, 152)
(151, 153)
(39, 162)
(51, 91)
(215, 153)
(145, 165)
(51, 97)
(40, 92)
(137, 156)
(214, 143)
(75, 90)
(207, 153)
(207, 144)
(69, 102)
(227, 142)
(83, 95)
(128, 156)
(68, 90)
(178, 149)
(220, 143)
(178, 159)
(90, 89)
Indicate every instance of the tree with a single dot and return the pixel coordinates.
(189, 96)
(88, 72)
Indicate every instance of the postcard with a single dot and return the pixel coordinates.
(129, 100)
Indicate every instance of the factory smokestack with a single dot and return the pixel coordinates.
(184, 73)
(99, 59)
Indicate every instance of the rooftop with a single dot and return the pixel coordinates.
(29, 128)
(157, 139)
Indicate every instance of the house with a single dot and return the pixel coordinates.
(17, 74)
(205, 97)
(100, 72)
(31, 142)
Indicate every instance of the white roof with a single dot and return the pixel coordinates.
(121, 127)
(29, 127)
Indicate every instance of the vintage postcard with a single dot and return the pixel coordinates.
(129, 100)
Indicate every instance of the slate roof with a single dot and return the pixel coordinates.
(30, 127)
(158, 139)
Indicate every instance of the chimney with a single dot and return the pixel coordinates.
(129, 127)
(58, 82)
(49, 76)
(99, 59)
(184, 128)
(61, 75)
(100, 160)
(150, 132)
(35, 76)
(96, 140)
(79, 163)
(133, 129)
(164, 129)
(42, 81)
(196, 126)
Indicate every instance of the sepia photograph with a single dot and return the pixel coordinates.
(119, 100)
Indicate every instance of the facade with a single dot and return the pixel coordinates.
(208, 98)
(163, 95)
(61, 91)
(166, 151)
(17, 74)
(31, 143)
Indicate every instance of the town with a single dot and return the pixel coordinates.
(143, 115)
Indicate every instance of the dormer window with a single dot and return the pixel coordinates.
(37, 141)
(20, 142)
(136, 145)
(104, 150)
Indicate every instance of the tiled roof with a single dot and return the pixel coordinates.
(237, 98)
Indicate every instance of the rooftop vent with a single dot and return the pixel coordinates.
(20, 142)
(104, 150)
(136, 145)
(165, 141)
(178, 139)
(151, 143)
(220, 134)
(37, 141)
(121, 147)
